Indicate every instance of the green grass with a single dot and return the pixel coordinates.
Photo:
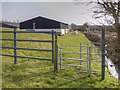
(28, 73)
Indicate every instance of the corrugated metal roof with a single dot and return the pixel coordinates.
(45, 18)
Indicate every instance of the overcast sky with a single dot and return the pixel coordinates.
(67, 12)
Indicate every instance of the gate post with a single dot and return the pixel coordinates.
(56, 55)
(15, 46)
(89, 61)
(80, 54)
(60, 58)
(52, 46)
(103, 54)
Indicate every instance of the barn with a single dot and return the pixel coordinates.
(9, 24)
(44, 24)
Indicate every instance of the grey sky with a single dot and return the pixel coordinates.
(67, 12)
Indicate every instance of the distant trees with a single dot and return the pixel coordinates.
(110, 10)
(86, 26)
(73, 26)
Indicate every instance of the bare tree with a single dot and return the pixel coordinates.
(110, 10)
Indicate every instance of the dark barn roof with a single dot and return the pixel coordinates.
(42, 23)
(8, 25)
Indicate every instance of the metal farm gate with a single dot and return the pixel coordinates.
(86, 58)
(82, 58)
(16, 48)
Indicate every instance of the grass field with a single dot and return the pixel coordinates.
(28, 73)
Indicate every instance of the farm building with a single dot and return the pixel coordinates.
(9, 24)
(44, 24)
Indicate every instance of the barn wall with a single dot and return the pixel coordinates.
(48, 24)
(64, 26)
(28, 24)
(59, 31)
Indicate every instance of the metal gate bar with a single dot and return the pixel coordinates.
(15, 48)
(87, 60)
